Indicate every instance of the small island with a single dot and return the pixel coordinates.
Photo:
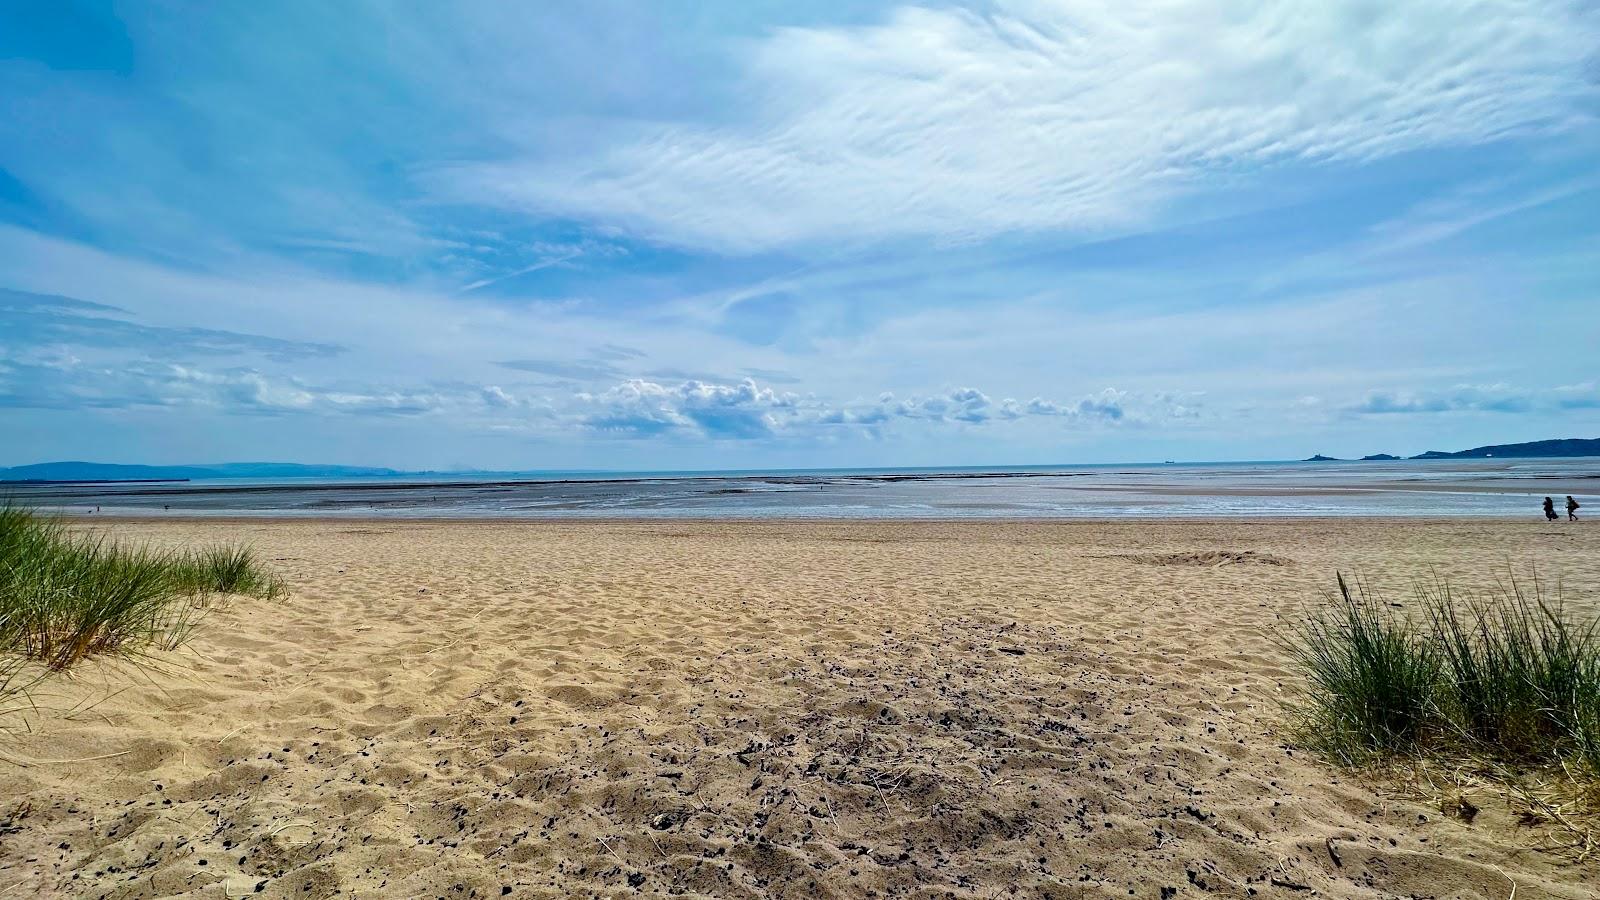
(1380, 457)
(1320, 458)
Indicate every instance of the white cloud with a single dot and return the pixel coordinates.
(1044, 115)
(960, 405)
(1494, 398)
(974, 407)
(1106, 405)
(638, 407)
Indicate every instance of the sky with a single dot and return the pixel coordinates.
(753, 234)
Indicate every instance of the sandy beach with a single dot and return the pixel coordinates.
(737, 709)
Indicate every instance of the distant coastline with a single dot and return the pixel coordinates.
(91, 481)
(1565, 447)
(1559, 448)
(80, 472)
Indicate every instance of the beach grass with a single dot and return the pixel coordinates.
(1500, 690)
(1508, 674)
(1522, 678)
(1372, 679)
(65, 596)
(227, 570)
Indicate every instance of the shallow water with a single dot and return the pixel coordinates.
(1419, 488)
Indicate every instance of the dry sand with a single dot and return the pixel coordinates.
(752, 710)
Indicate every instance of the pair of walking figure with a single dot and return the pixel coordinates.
(1550, 509)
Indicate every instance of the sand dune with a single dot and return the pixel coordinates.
(753, 710)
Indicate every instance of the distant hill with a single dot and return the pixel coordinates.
(298, 470)
(1379, 457)
(75, 470)
(86, 471)
(1560, 447)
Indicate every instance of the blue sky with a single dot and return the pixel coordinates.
(757, 234)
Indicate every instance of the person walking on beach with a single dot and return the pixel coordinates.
(1549, 509)
(1572, 509)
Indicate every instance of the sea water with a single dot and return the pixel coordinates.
(1424, 488)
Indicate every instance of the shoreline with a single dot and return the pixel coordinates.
(168, 517)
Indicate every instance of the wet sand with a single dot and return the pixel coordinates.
(738, 709)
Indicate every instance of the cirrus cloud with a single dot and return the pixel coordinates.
(1039, 115)
(56, 382)
(29, 320)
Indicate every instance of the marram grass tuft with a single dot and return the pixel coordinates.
(66, 596)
